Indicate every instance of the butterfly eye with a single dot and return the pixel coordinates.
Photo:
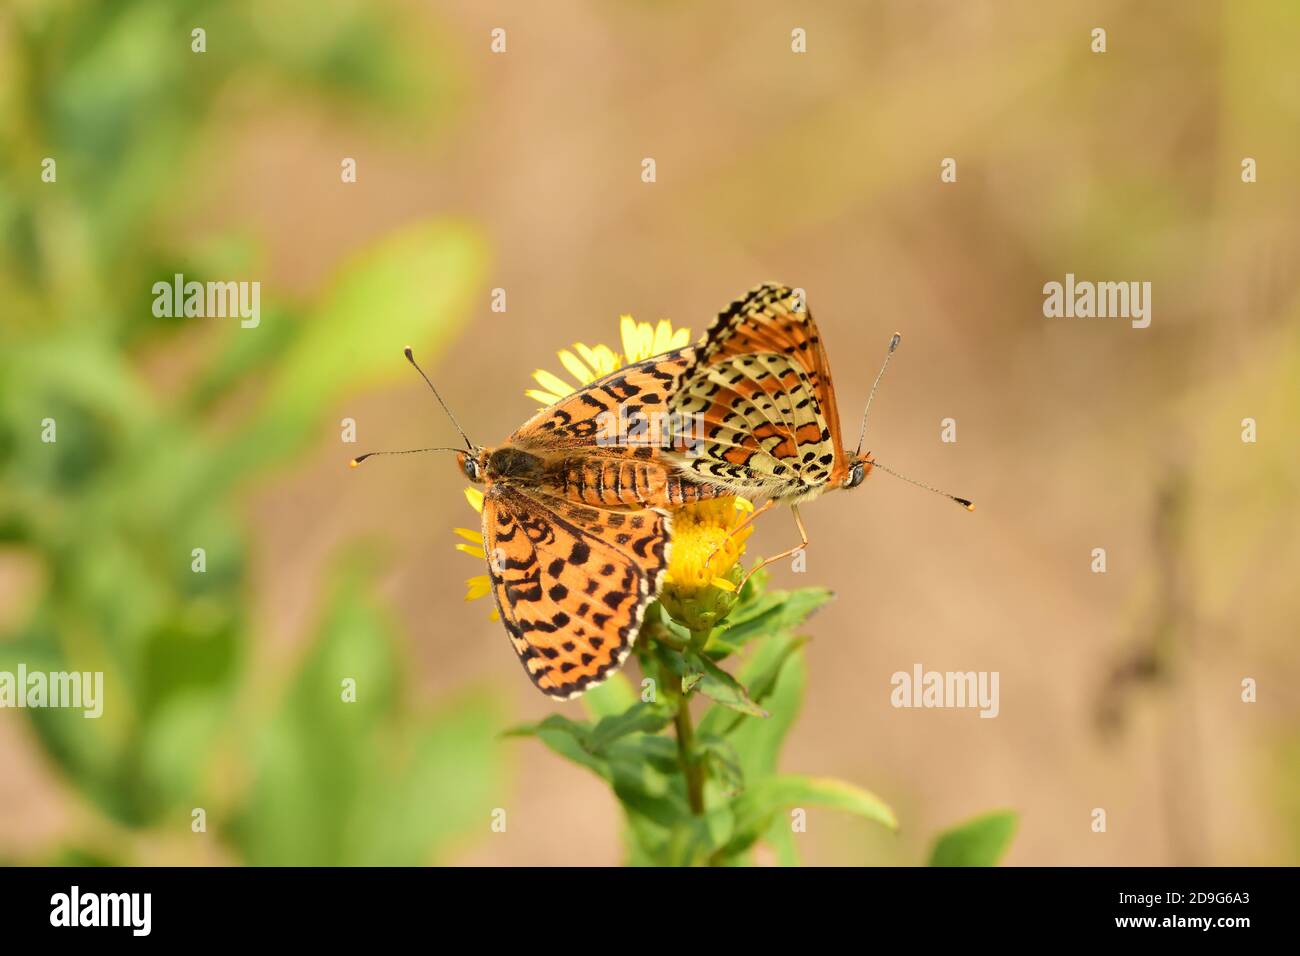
(856, 474)
(470, 467)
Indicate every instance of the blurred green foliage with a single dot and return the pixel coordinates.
(107, 516)
(978, 842)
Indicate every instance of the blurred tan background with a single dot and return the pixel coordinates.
(1119, 690)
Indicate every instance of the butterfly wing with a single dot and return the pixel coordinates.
(605, 443)
(571, 583)
(761, 386)
(594, 412)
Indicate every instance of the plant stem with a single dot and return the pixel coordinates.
(690, 766)
(699, 638)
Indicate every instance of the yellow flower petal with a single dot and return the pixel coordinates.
(474, 537)
(472, 550)
(607, 360)
(706, 546)
(494, 616)
(478, 587)
(574, 366)
(546, 398)
(588, 355)
(475, 499)
(680, 339)
(628, 332)
(552, 382)
(724, 584)
(663, 337)
(744, 504)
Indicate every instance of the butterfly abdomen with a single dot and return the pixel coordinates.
(683, 491)
(604, 481)
(624, 478)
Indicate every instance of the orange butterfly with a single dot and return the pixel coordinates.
(760, 385)
(576, 522)
(577, 513)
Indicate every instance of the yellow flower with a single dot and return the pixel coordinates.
(586, 364)
(704, 565)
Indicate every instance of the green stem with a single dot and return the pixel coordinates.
(691, 767)
(699, 638)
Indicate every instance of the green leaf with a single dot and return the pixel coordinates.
(696, 841)
(759, 741)
(411, 288)
(759, 675)
(978, 842)
(656, 750)
(780, 837)
(564, 743)
(242, 353)
(768, 615)
(449, 761)
(716, 684)
(568, 738)
(580, 731)
(758, 807)
(691, 677)
(342, 781)
(723, 762)
(639, 719)
(794, 790)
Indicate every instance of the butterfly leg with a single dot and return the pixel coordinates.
(803, 543)
(765, 506)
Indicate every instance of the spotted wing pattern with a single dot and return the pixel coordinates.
(571, 582)
(761, 387)
(605, 443)
(593, 414)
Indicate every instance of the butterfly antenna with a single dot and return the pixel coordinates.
(410, 357)
(964, 502)
(410, 451)
(893, 344)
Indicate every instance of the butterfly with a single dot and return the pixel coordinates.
(577, 521)
(577, 510)
(760, 387)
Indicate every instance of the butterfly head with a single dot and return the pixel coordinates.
(473, 464)
(859, 467)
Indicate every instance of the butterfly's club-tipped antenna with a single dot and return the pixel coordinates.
(964, 502)
(893, 344)
(410, 357)
(469, 445)
(408, 451)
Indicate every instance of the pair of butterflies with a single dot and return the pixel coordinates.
(578, 529)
